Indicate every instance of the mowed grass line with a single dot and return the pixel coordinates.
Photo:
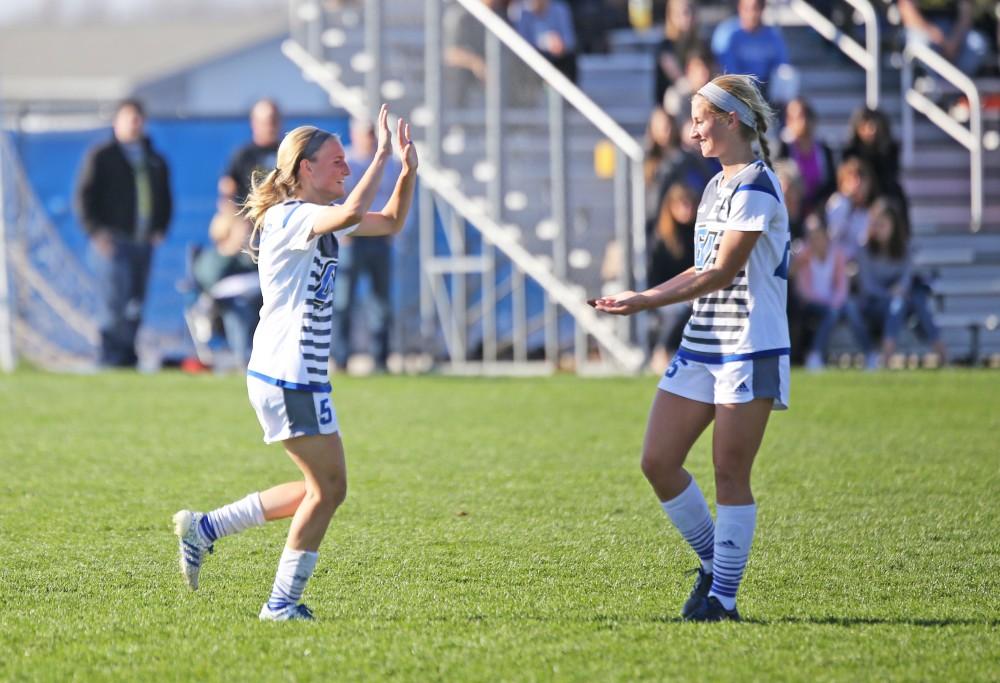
(499, 530)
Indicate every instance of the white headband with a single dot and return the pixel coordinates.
(728, 102)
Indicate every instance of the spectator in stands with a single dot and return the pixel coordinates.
(548, 26)
(669, 161)
(227, 282)
(753, 48)
(888, 288)
(698, 70)
(671, 252)
(793, 189)
(847, 209)
(124, 203)
(260, 154)
(870, 139)
(592, 19)
(819, 273)
(369, 258)
(680, 38)
(465, 51)
(812, 157)
(948, 28)
(662, 147)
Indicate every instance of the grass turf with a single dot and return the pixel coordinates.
(499, 530)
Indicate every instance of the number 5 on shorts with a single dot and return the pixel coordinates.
(325, 412)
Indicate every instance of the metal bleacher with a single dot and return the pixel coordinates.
(964, 264)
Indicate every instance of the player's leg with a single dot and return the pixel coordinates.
(675, 423)
(321, 459)
(739, 429)
(197, 532)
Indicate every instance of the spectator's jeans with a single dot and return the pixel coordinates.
(829, 317)
(121, 285)
(371, 256)
(891, 313)
(239, 319)
(974, 48)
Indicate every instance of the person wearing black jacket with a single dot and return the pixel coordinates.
(124, 203)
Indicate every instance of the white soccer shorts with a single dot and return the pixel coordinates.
(738, 381)
(287, 413)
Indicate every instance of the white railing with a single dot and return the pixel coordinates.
(971, 138)
(435, 181)
(867, 57)
(443, 286)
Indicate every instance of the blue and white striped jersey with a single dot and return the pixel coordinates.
(291, 347)
(748, 318)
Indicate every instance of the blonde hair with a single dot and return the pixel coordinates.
(747, 90)
(269, 188)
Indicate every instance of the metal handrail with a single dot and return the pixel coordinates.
(438, 182)
(867, 57)
(554, 78)
(971, 138)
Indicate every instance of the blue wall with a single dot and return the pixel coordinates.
(197, 151)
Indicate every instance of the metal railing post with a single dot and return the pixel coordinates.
(456, 239)
(638, 259)
(495, 187)
(971, 138)
(559, 187)
(622, 230)
(433, 89)
(425, 205)
(8, 358)
(373, 46)
(906, 84)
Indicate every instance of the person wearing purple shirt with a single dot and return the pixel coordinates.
(753, 48)
(548, 26)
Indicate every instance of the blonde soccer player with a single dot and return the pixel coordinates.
(296, 226)
(732, 366)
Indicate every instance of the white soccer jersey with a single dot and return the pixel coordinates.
(748, 318)
(291, 346)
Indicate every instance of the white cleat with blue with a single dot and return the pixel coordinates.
(288, 613)
(193, 546)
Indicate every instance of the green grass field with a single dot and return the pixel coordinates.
(499, 530)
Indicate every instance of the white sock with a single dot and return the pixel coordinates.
(233, 518)
(689, 513)
(733, 538)
(294, 569)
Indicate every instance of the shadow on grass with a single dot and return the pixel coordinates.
(875, 621)
(850, 621)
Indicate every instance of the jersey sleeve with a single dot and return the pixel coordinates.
(752, 207)
(299, 225)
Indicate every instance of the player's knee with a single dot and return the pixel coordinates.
(330, 491)
(654, 465)
(730, 477)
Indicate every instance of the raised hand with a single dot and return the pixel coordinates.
(407, 150)
(384, 136)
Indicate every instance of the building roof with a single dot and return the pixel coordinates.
(107, 62)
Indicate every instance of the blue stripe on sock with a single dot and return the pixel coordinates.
(208, 529)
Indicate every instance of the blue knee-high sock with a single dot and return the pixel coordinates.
(689, 513)
(733, 537)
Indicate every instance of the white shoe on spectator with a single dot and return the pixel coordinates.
(814, 362)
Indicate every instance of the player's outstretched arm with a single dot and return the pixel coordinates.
(734, 252)
(354, 208)
(392, 217)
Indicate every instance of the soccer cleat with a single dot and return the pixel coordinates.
(710, 609)
(192, 546)
(702, 584)
(288, 613)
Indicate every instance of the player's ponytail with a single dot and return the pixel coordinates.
(269, 188)
(754, 127)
